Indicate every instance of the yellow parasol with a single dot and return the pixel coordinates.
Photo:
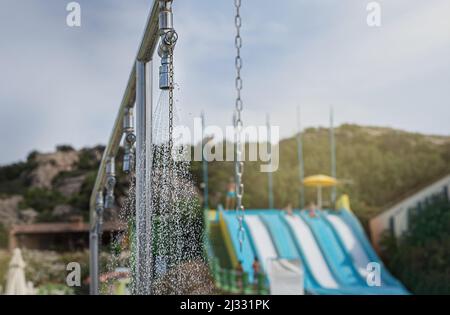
(320, 181)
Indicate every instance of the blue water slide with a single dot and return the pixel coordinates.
(318, 277)
(247, 255)
(280, 235)
(261, 239)
(360, 248)
(339, 262)
(286, 246)
(331, 265)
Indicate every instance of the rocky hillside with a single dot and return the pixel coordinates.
(49, 186)
(377, 165)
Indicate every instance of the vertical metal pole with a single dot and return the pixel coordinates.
(95, 235)
(333, 158)
(148, 173)
(301, 170)
(205, 166)
(93, 261)
(270, 174)
(143, 268)
(319, 197)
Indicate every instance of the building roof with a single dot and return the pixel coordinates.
(413, 197)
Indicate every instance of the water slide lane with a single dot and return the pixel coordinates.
(227, 239)
(261, 239)
(284, 242)
(356, 243)
(351, 221)
(310, 251)
(339, 262)
(353, 247)
(247, 255)
(280, 235)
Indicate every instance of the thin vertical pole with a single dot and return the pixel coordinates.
(301, 170)
(205, 165)
(93, 261)
(95, 237)
(319, 197)
(270, 173)
(148, 169)
(143, 268)
(333, 158)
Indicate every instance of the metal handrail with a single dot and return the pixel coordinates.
(145, 53)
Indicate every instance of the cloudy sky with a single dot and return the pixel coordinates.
(64, 85)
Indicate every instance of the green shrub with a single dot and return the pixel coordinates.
(4, 237)
(54, 289)
(64, 148)
(12, 179)
(421, 258)
(42, 200)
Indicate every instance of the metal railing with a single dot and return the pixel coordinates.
(158, 19)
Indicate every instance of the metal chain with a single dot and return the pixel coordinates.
(171, 88)
(239, 165)
(170, 145)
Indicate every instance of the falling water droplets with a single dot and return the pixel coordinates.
(176, 216)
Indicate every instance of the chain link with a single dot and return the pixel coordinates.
(239, 165)
(171, 88)
(170, 144)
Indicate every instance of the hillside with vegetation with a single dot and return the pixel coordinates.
(377, 166)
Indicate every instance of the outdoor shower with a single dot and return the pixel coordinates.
(134, 123)
(136, 105)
